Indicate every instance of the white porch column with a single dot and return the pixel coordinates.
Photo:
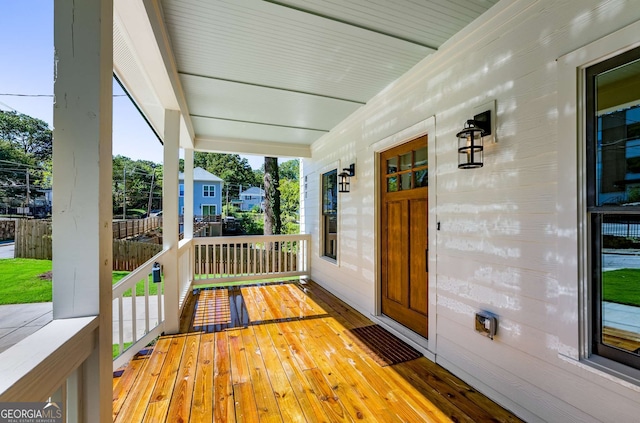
(170, 221)
(82, 162)
(188, 193)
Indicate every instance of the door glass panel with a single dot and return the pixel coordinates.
(392, 184)
(405, 181)
(421, 157)
(392, 165)
(422, 178)
(405, 161)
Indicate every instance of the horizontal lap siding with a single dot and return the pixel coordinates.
(497, 247)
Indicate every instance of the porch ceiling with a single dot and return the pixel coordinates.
(274, 76)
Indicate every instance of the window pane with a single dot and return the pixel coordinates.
(392, 165)
(392, 184)
(421, 157)
(613, 157)
(618, 136)
(422, 177)
(405, 161)
(329, 211)
(620, 282)
(405, 181)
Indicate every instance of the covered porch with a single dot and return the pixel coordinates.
(288, 352)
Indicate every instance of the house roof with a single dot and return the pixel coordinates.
(199, 174)
(272, 77)
(253, 191)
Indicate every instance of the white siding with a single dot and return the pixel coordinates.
(498, 247)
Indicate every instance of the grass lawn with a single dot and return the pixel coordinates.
(622, 286)
(25, 281)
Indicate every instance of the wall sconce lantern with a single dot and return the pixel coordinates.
(344, 184)
(155, 273)
(470, 148)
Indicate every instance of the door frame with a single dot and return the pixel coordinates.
(425, 127)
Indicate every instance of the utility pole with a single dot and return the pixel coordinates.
(28, 190)
(153, 177)
(124, 193)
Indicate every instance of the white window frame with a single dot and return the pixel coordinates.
(210, 192)
(215, 209)
(574, 331)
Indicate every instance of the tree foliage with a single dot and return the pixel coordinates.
(235, 171)
(30, 135)
(134, 182)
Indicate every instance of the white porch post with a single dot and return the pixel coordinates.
(82, 205)
(188, 193)
(170, 220)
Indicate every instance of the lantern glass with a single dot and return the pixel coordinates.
(344, 185)
(470, 148)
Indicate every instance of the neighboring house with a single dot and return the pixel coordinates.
(252, 197)
(207, 193)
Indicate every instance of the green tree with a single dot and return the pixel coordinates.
(235, 171)
(30, 135)
(290, 170)
(134, 183)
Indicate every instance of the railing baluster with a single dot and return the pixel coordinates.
(120, 326)
(134, 315)
(146, 305)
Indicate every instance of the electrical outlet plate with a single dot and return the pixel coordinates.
(491, 107)
(486, 324)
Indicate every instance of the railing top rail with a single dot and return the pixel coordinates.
(250, 238)
(134, 277)
(36, 366)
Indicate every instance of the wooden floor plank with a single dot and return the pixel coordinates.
(239, 368)
(202, 404)
(125, 383)
(329, 401)
(223, 405)
(283, 391)
(347, 385)
(245, 403)
(182, 394)
(309, 402)
(268, 409)
(136, 403)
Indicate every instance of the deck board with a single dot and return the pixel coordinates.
(287, 358)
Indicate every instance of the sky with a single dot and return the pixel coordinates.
(26, 69)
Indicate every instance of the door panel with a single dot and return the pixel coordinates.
(417, 261)
(404, 241)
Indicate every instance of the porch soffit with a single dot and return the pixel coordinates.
(276, 75)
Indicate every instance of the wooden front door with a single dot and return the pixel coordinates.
(404, 224)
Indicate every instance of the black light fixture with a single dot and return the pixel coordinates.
(470, 148)
(345, 178)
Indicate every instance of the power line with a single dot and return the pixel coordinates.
(43, 95)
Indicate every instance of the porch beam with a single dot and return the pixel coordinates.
(82, 179)
(246, 146)
(188, 193)
(170, 221)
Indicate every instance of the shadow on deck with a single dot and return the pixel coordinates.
(288, 352)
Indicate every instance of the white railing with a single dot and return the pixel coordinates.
(137, 313)
(226, 259)
(47, 365)
(185, 269)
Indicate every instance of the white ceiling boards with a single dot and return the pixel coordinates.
(284, 71)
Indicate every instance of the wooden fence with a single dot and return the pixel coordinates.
(33, 240)
(7, 230)
(126, 228)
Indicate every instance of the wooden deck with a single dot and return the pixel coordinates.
(283, 353)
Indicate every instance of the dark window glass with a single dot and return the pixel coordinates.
(330, 214)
